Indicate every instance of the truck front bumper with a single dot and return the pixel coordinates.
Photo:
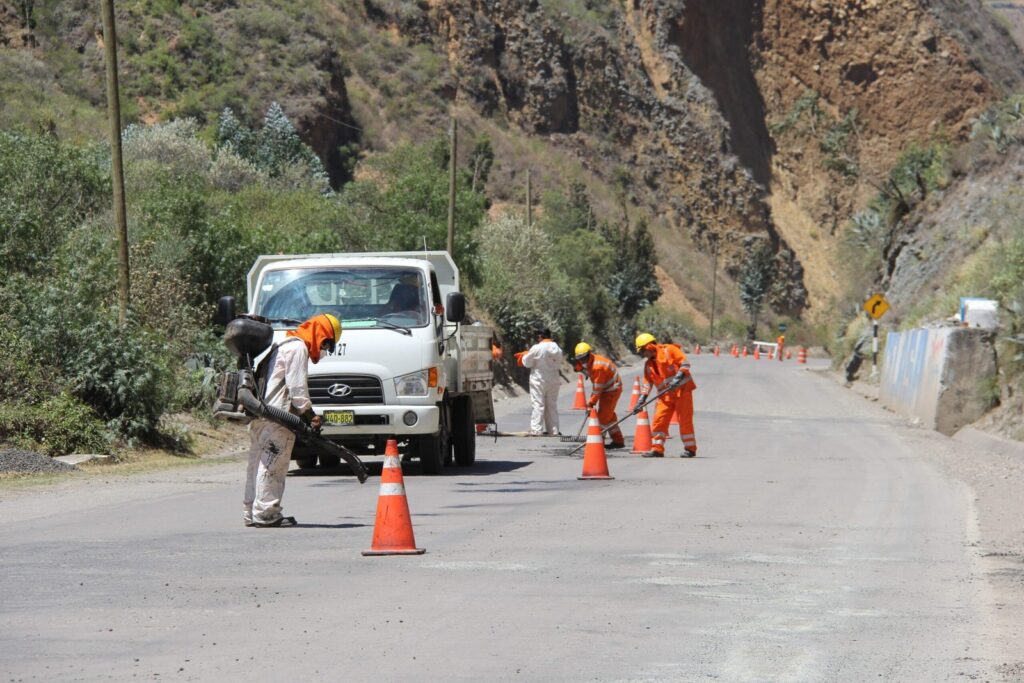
(375, 420)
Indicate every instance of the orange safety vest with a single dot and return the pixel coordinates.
(603, 375)
(669, 361)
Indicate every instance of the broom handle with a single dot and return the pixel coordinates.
(629, 414)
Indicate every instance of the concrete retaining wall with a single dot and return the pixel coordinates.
(941, 376)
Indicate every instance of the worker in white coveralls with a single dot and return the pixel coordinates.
(284, 381)
(544, 360)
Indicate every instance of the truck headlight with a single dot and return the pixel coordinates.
(416, 383)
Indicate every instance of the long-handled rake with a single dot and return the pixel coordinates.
(579, 438)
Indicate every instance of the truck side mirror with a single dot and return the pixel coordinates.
(456, 307)
(225, 310)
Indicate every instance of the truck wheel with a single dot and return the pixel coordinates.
(306, 463)
(431, 450)
(327, 462)
(463, 432)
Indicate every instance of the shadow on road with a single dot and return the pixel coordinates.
(482, 468)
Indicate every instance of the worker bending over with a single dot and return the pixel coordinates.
(283, 376)
(606, 388)
(667, 370)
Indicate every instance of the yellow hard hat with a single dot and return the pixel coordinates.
(581, 352)
(335, 324)
(643, 340)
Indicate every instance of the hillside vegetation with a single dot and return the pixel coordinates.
(821, 150)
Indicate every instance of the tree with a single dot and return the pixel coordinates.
(480, 161)
(755, 280)
(231, 134)
(276, 149)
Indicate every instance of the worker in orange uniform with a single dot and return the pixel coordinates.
(781, 342)
(667, 369)
(606, 389)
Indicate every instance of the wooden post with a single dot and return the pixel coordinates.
(454, 144)
(529, 198)
(116, 163)
(714, 286)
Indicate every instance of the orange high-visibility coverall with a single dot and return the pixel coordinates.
(669, 361)
(607, 388)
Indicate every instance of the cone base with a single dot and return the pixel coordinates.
(594, 477)
(411, 551)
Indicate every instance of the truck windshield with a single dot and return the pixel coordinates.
(359, 297)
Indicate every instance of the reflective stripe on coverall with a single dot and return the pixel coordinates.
(544, 360)
(271, 444)
(607, 388)
(669, 361)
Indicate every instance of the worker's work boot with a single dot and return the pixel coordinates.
(689, 454)
(652, 454)
(613, 446)
(280, 521)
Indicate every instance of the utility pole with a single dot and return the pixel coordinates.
(529, 198)
(453, 135)
(714, 286)
(116, 164)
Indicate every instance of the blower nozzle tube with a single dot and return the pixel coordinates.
(293, 423)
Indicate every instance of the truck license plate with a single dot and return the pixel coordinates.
(339, 417)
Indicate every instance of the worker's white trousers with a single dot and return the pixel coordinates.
(269, 455)
(544, 398)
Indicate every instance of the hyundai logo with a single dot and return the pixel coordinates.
(339, 390)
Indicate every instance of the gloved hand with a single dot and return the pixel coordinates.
(591, 405)
(639, 405)
(677, 380)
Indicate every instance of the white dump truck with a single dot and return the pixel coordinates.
(405, 366)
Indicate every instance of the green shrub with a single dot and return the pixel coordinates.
(59, 425)
(48, 187)
(125, 375)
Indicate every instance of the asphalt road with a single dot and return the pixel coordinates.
(808, 541)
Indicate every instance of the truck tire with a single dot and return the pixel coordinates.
(306, 463)
(431, 451)
(328, 462)
(463, 432)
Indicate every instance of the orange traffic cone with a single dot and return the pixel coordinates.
(595, 464)
(581, 395)
(392, 532)
(718, 350)
(642, 439)
(757, 353)
(801, 355)
(696, 349)
(635, 396)
(744, 351)
(789, 354)
(771, 354)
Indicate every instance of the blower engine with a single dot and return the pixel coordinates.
(239, 393)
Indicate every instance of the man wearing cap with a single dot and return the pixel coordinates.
(283, 377)
(667, 370)
(606, 388)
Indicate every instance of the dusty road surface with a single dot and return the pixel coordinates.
(810, 540)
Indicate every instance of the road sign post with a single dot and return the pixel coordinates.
(875, 307)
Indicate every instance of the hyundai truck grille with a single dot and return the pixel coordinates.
(345, 390)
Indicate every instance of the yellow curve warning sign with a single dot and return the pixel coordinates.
(876, 306)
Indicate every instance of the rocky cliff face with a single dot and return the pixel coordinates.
(745, 120)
